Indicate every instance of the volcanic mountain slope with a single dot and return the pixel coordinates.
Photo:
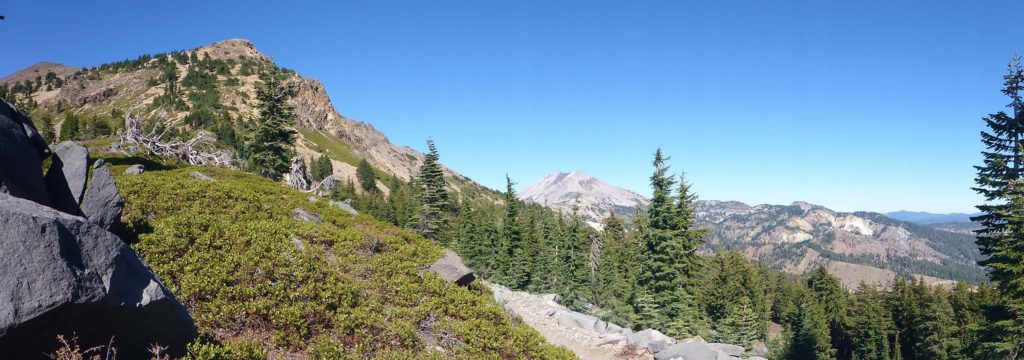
(134, 86)
(594, 199)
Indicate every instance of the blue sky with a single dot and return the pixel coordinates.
(866, 105)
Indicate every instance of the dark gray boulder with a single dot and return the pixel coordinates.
(451, 269)
(22, 151)
(135, 169)
(62, 275)
(102, 202)
(65, 180)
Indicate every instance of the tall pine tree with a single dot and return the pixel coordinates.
(270, 148)
(1001, 237)
(432, 219)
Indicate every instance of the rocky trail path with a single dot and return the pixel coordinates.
(557, 324)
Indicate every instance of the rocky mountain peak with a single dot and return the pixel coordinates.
(597, 199)
(238, 49)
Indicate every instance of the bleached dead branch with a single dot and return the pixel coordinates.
(200, 150)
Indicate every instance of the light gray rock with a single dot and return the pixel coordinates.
(202, 177)
(102, 203)
(135, 169)
(64, 275)
(555, 298)
(65, 180)
(550, 312)
(610, 339)
(690, 351)
(345, 205)
(613, 329)
(756, 358)
(306, 215)
(587, 322)
(728, 349)
(567, 321)
(22, 151)
(650, 339)
(451, 268)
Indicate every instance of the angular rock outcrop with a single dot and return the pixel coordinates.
(102, 202)
(690, 351)
(62, 275)
(65, 180)
(306, 215)
(451, 269)
(22, 150)
(345, 205)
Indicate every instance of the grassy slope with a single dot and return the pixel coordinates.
(228, 251)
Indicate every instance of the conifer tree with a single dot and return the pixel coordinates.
(320, 168)
(432, 219)
(833, 297)
(811, 339)
(1001, 237)
(616, 272)
(512, 263)
(870, 324)
(367, 178)
(270, 148)
(549, 266)
(742, 326)
(669, 263)
(936, 330)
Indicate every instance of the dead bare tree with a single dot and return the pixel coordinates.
(200, 150)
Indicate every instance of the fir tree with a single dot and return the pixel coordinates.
(69, 128)
(616, 272)
(811, 339)
(512, 263)
(742, 326)
(1001, 237)
(833, 297)
(367, 178)
(270, 148)
(434, 203)
(669, 263)
(320, 168)
(870, 324)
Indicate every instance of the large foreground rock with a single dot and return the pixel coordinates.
(102, 202)
(61, 275)
(21, 154)
(652, 340)
(451, 269)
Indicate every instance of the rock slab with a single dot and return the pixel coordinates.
(65, 276)
(102, 203)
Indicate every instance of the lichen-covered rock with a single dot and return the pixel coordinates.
(62, 275)
(102, 203)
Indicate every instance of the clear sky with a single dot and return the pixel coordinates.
(855, 105)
